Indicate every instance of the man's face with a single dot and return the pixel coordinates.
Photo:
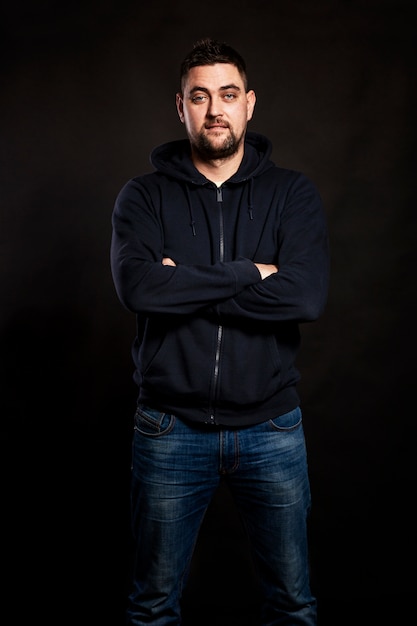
(215, 109)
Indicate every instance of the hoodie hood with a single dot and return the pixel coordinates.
(174, 159)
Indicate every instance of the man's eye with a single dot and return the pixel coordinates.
(198, 99)
(229, 96)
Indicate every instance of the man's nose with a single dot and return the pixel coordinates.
(215, 108)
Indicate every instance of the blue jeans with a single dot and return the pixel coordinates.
(176, 468)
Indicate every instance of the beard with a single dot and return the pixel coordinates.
(210, 152)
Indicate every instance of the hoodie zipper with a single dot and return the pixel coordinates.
(220, 327)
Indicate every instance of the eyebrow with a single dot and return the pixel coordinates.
(223, 88)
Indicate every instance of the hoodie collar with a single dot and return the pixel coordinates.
(174, 159)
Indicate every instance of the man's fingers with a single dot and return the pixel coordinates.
(167, 261)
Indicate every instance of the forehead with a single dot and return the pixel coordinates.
(213, 77)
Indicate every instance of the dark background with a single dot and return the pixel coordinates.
(87, 91)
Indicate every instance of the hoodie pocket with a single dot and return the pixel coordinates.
(250, 369)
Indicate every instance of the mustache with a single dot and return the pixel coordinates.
(216, 122)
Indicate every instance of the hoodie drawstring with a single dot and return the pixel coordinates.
(250, 198)
(190, 209)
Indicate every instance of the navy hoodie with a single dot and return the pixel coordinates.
(215, 343)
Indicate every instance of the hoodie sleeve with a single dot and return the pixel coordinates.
(143, 284)
(298, 292)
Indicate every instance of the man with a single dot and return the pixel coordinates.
(220, 254)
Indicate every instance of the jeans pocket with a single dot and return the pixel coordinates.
(152, 422)
(288, 421)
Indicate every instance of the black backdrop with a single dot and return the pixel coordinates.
(87, 91)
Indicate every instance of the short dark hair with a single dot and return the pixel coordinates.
(208, 51)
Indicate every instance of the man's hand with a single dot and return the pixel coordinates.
(167, 261)
(266, 270)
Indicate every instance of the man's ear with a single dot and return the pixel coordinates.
(251, 101)
(180, 106)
